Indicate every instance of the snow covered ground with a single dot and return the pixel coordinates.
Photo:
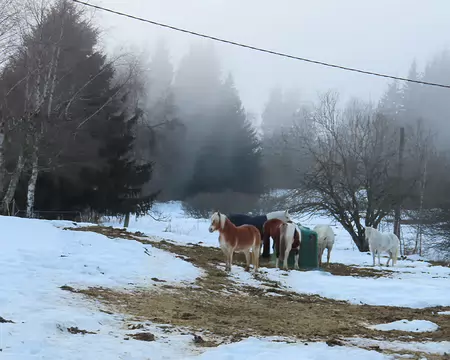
(38, 257)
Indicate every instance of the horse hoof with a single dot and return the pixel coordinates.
(247, 269)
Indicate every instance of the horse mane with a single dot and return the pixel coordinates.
(221, 217)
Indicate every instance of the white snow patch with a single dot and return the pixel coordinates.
(430, 347)
(255, 349)
(406, 325)
(444, 312)
(425, 291)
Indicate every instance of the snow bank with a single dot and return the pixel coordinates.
(37, 258)
(440, 348)
(256, 349)
(406, 325)
(424, 291)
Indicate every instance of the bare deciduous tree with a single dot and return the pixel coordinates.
(353, 157)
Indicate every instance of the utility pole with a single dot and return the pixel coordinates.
(399, 191)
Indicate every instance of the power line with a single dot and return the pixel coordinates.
(259, 49)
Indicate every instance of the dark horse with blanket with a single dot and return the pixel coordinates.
(259, 220)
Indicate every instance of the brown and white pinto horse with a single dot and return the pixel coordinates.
(236, 238)
(290, 239)
(273, 229)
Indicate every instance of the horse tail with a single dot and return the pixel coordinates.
(397, 251)
(256, 249)
(297, 238)
(266, 239)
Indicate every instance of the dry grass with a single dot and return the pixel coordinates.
(221, 308)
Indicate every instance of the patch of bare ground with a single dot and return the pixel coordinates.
(75, 330)
(4, 321)
(219, 307)
(143, 336)
(346, 270)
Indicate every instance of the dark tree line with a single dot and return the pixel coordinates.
(90, 133)
(68, 128)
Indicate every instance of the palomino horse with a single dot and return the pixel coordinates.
(325, 240)
(259, 220)
(236, 238)
(272, 229)
(290, 239)
(383, 242)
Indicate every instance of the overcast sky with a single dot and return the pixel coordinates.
(376, 35)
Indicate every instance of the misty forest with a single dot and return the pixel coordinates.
(87, 134)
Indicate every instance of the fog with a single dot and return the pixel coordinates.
(382, 36)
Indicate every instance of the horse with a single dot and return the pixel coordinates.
(325, 240)
(382, 242)
(290, 239)
(272, 229)
(259, 220)
(236, 238)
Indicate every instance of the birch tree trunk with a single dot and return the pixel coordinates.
(32, 182)
(2, 160)
(423, 182)
(13, 184)
(49, 89)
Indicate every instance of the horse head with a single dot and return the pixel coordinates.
(368, 231)
(287, 215)
(216, 221)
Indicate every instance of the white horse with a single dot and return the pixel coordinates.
(325, 240)
(383, 242)
(290, 239)
(283, 215)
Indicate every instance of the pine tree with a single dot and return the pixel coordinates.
(411, 96)
(245, 150)
(59, 78)
(117, 188)
(231, 157)
(391, 103)
(197, 91)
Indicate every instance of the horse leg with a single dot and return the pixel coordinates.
(286, 255)
(328, 256)
(225, 253)
(389, 259)
(230, 259)
(255, 253)
(379, 258)
(320, 256)
(247, 259)
(297, 255)
(373, 255)
(227, 266)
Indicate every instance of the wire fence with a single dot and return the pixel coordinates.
(51, 215)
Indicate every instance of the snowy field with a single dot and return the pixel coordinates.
(38, 257)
